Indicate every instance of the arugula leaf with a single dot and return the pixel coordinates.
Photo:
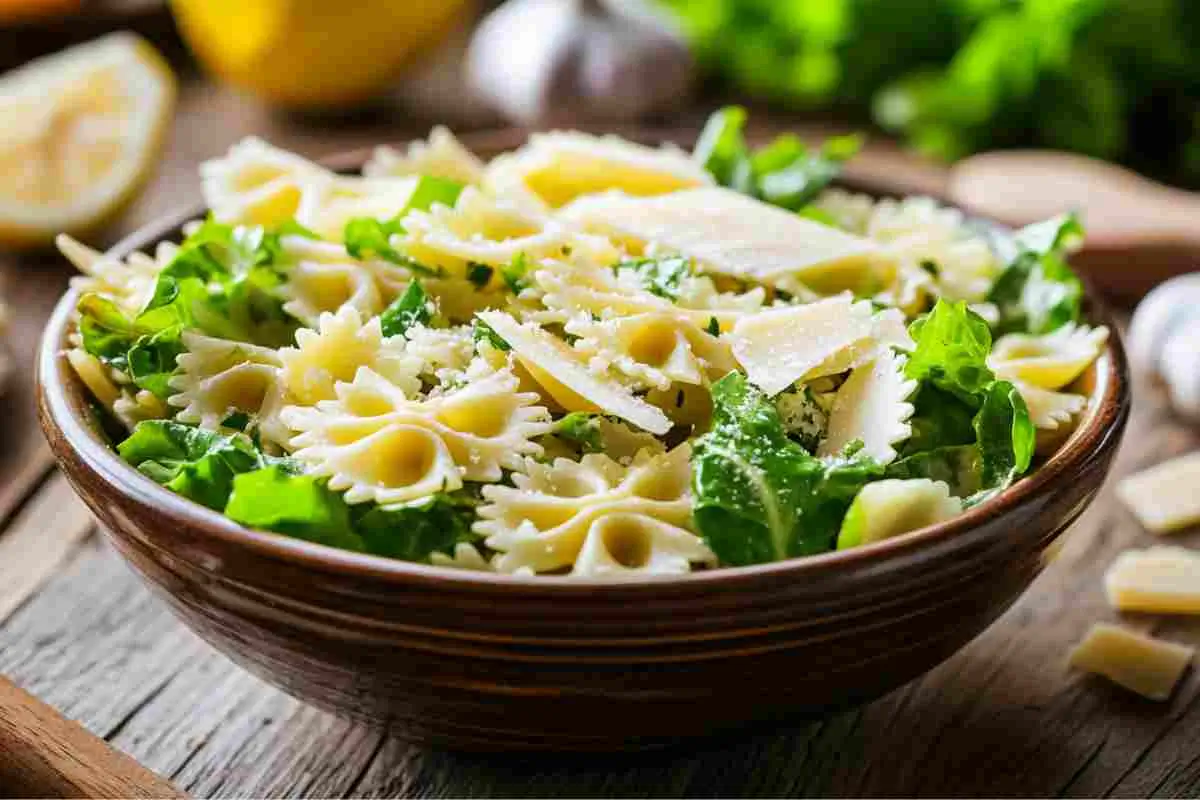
(366, 236)
(785, 172)
(407, 310)
(190, 461)
(479, 274)
(759, 496)
(515, 273)
(273, 498)
(413, 531)
(660, 276)
(952, 345)
(482, 332)
(582, 428)
(1037, 292)
(714, 327)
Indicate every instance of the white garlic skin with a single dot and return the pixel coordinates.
(1165, 308)
(545, 62)
(1164, 340)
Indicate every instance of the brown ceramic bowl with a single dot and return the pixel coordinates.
(495, 662)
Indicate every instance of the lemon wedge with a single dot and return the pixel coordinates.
(313, 54)
(82, 130)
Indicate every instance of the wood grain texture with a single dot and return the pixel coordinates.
(1003, 717)
(43, 754)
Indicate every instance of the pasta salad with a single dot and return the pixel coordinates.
(586, 357)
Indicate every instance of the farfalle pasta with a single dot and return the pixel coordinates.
(588, 357)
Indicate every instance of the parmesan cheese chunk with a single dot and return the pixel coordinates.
(1143, 664)
(1161, 580)
(780, 346)
(1165, 498)
(558, 166)
(568, 380)
(730, 233)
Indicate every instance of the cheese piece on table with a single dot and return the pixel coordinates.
(1165, 498)
(563, 376)
(1160, 580)
(1143, 664)
(729, 233)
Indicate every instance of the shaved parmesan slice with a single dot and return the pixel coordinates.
(780, 346)
(872, 406)
(1160, 580)
(568, 380)
(1164, 498)
(888, 508)
(559, 166)
(1143, 664)
(730, 233)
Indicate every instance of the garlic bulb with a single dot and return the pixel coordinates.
(1164, 340)
(545, 62)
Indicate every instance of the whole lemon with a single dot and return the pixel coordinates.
(314, 54)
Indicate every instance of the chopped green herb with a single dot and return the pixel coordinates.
(407, 310)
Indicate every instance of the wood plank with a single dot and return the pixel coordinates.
(46, 531)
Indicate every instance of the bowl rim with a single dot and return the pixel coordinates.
(65, 427)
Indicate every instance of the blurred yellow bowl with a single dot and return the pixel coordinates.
(314, 54)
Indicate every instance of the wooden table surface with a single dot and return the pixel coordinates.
(1003, 717)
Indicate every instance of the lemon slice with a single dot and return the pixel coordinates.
(82, 129)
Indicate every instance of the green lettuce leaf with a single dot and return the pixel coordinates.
(190, 461)
(758, 495)
(952, 345)
(1005, 434)
(367, 237)
(409, 309)
(1037, 292)
(414, 531)
(152, 358)
(516, 273)
(581, 428)
(785, 173)
(274, 498)
(939, 419)
(959, 466)
(660, 276)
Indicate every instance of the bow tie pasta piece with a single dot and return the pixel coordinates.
(623, 544)
(917, 230)
(340, 345)
(872, 406)
(465, 556)
(571, 290)
(655, 349)
(888, 508)
(218, 378)
(441, 156)
(1048, 409)
(543, 522)
(1049, 361)
(129, 283)
(731, 234)
(567, 379)
(482, 230)
(132, 407)
(780, 346)
(481, 428)
(555, 168)
(314, 288)
(257, 184)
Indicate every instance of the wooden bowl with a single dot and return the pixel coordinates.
(495, 662)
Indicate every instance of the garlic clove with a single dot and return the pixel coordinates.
(1179, 366)
(542, 62)
(1167, 307)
